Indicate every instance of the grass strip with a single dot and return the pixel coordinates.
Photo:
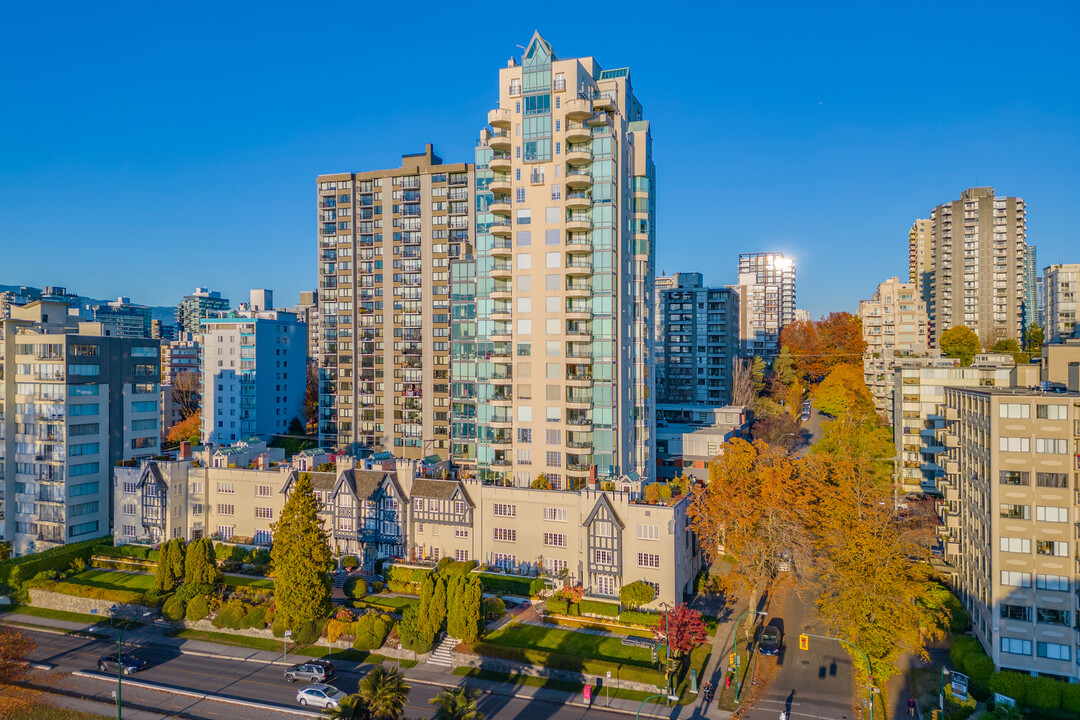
(553, 684)
(228, 639)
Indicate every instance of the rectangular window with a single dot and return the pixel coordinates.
(554, 565)
(83, 469)
(553, 458)
(1014, 410)
(648, 532)
(1015, 545)
(461, 555)
(1052, 651)
(1047, 513)
(1059, 583)
(263, 537)
(83, 509)
(129, 487)
(1015, 579)
(1016, 612)
(555, 514)
(418, 504)
(148, 424)
(82, 528)
(1052, 616)
(1013, 477)
(605, 585)
(1052, 412)
(503, 560)
(144, 406)
(505, 534)
(225, 531)
(1052, 480)
(603, 557)
(1014, 444)
(84, 429)
(226, 488)
(90, 488)
(82, 410)
(461, 532)
(1055, 446)
(84, 370)
(1015, 512)
(264, 491)
(224, 509)
(144, 351)
(555, 539)
(504, 510)
(459, 507)
(1015, 646)
(264, 513)
(84, 449)
(1052, 547)
(648, 560)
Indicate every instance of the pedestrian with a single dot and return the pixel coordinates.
(911, 707)
(783, 715)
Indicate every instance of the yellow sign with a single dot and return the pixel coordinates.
(804, 642)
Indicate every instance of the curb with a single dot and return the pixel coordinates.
(201, 696)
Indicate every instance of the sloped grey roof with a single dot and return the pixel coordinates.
(441, 489)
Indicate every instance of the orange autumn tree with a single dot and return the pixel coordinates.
(817, 347)
(843, 392)
(756, 509)
(186, 430)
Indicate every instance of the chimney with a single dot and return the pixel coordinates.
(185, 451)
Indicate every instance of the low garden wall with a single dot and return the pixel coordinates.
(483, 662)
(72, 603)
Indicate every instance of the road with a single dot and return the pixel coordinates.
(250, 681)
(814, 684)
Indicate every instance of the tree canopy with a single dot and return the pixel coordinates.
(818, 346)
(187, 430)
(300, 554)
(384, 692)
(960, 342)
(843, 392)
(1034, 340)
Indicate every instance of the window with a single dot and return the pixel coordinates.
(553, 458)
(196, 509)
(1015, 512)
(603, 557)
(1052, 616)
(264, 491)
(1016, 612)
(225, 531)
(1014, 410)
(503, 560)
(148, 424)
(144, 406)
(1056, 446)
(225, 488)
(555, 539)
(1052, 480)
(505, 534)
(129, 531)
(524, 434)
(83, 469)
(225, 509)
(264, 513)
(129, 487)
(1052, 412)
(1014, 444)
(555, 566)
(418, 504)
(504, 510)
(461, 532)
(648, 532)
(130, 509)
(145, 442)
(89, 488)
(84, 429)
(1016, 579)
(144, 351)
(1052, 651)
(555, 514)
(459, 507)
(84, 370)
(82, 528)
(1052, 582)
(1015, 545)
(80, 410)
(1015, 646)
(603, 528)
(648, 560)
(1013, 477)
(263, 537)
(1052, 547)
(553, 437)
(461, 555)
(605, 585)
(1047, 513)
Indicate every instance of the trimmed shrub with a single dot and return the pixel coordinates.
(16, 571)
(1043, 693)
(255, 618)
(127, 597)
(492, 607)
(537, 586)
(636, 594)
(558, 606)
(377, 586)
(404, 588)
(355, 588)
(1070, 697)
(370, 631)
(350, 562)
(173, 609)
(594, 607)
(231, 615)
(197, 608)
(279, 626)
(224, 551)
(1012, 684)
(448, 567)
(134, 552)
(307, 633)
(634, 617)
(506, 584)
(336, 628)
(259, 557)
(231, 566)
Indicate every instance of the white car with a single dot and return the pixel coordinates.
(320, 695)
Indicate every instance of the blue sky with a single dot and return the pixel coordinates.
(149, 148)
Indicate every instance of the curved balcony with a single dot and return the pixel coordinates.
(577, 109)
(578, 224)
(500, 228)
(578, 313)
(501, 422)
(501, 271)
(500, 162)
(604, 101)
(503, 379)
(500, 334)
(500, 294)
(576, 268)
(501, 443)
(579, 379)
(579, 289)
(578, 470)
(500, 185)
(578, 133)
(499, 118)
(578, 241)
(499, 206)
(579, 423)
(578, 157)
(500, 315)
(500, 141)
(501, 248)
(578, 201)
(578, 178)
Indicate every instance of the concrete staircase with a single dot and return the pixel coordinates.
(339, 578)
(441, 654)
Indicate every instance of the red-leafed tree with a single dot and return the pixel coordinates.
(571, 593)
(682, 629)
(14, 648)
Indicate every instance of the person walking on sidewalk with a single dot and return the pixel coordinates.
(911, 707)
(783, 715)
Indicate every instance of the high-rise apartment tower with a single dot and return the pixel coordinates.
(766, 301)
(1062, 288)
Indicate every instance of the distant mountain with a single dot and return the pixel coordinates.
(165, 313)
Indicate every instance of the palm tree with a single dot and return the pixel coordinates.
(350, 708)
(457, 704)
(384, 692)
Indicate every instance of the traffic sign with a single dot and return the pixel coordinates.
(804, 642)
(288, 633)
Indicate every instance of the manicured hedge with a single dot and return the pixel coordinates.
(125, 597)
(173, 609)
(355, 588)
(558, 661)
(1041, 694)
(134, 552)
(131, 565)
(18, 570)
(370, 631)
(634, 617)
(401, 574)
(595, 607)
(449, 566)
(506, 584)
(231, 616)
(197, 608)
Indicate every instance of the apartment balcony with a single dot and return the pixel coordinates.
(501, 227)
(952, 493)
(577, 399)
(501, 331)
(600, 118)
(579, 330)
(499, 118)
(500, 162)
(952, 547)
(578, 132)
(579, 379)
(604, 101)
(580, 266)
(579, 201)
(952, 413)
(578, 155)
(579, 440)
(579, 289)
(500, 185)
(579, 223)
(951, 467)
(502, 270)
(580, 421)
(500, 141)
(579, 241)
(578, 311)
(501, 421)
(580, 353)
(578, 178)
(500, 291)
(578, 470)
(577, 109)
(501, 206)
(500, 313)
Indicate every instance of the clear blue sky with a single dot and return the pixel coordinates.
(148, 148)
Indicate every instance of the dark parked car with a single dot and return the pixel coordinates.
(770, 641)
(312, 671)
(131, 663)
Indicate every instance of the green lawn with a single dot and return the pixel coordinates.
(31, 611)
(551, 684)
(391, 604)
(229, 639)
(113, 580)
(566, 642)
(252, 581)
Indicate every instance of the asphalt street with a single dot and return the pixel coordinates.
(250, 681)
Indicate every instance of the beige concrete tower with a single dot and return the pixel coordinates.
(978, 246)
(918, 254)
(894, 325)
(1062, 286)
(386, 238)
(564, 276)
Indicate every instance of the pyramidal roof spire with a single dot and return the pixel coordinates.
(538, 48)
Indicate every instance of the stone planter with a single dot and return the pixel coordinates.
(74, 603)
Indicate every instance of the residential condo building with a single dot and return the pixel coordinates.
(386, 239)
(123, 318)
(564, 277)
(195, 307)
(894, 325)
(977, 264)
(1031, 288)
(254, 374)
(73, 402)
(766, 291)
(1062, 291)
(696, 340)
(919, 256)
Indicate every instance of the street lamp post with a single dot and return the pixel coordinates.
(120, 656)
(737, 621)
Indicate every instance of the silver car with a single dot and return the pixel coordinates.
(320, 695)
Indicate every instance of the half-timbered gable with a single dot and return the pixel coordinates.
(603, 562)
(152, 491)
(441, 502)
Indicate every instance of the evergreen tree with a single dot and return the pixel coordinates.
(300, 555)
(455, 586)
(176, 560)
(437, 614)
(167, 575)
(472, 611)
(1034, 340)
(200, 565)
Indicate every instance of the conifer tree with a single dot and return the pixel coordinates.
(300, 555)
(437, 614)
(200, 563)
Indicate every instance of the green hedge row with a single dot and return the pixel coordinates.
(595, 607)
(1037, 693)
(506, 584)
(634, 617)
(131, 565)
(134, 552)
(401, 574)
(18, 570)
(126, 597)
